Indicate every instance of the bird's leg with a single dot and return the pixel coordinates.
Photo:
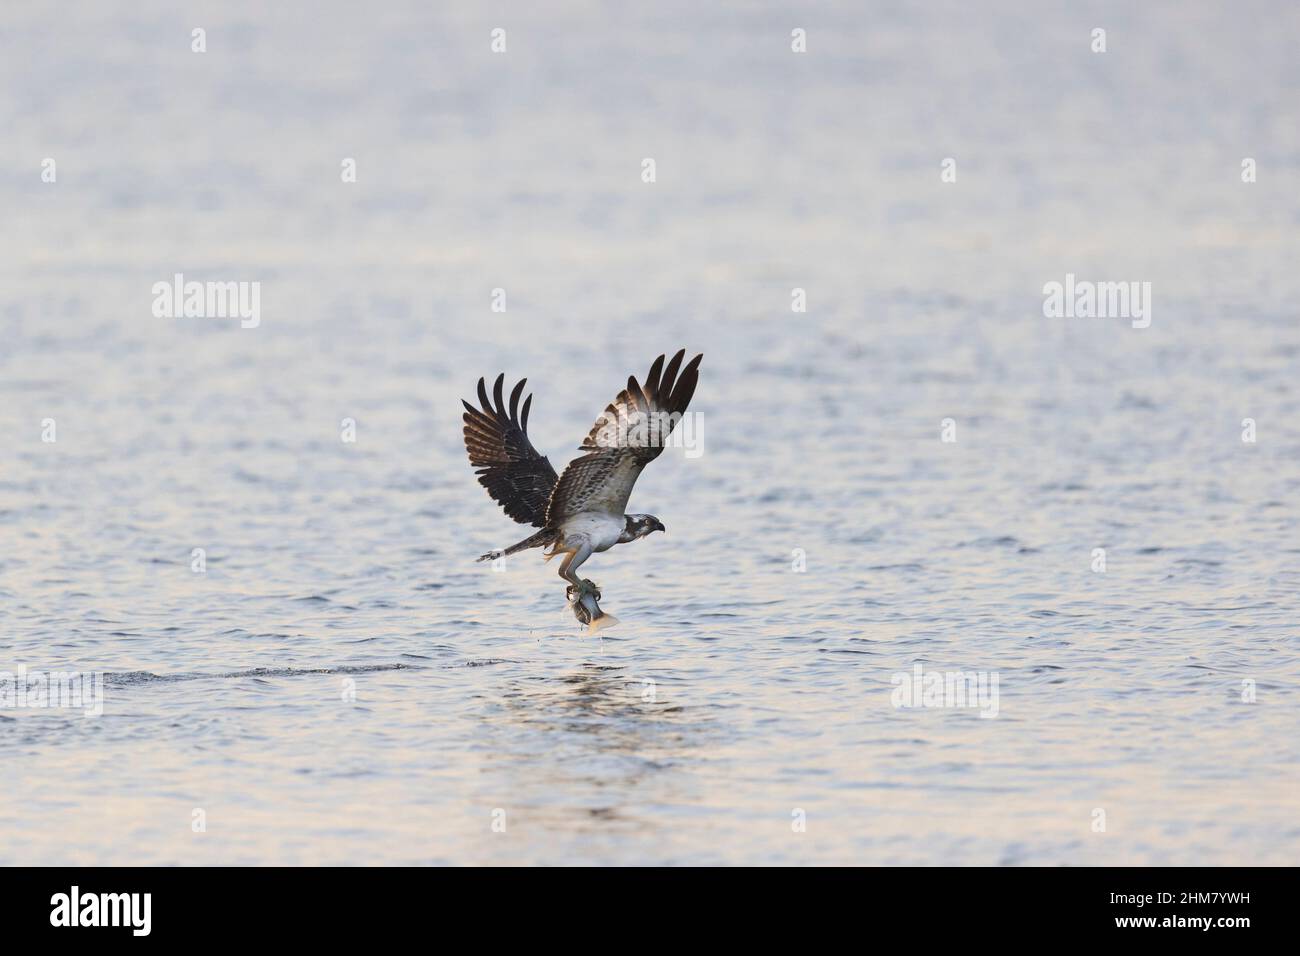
(569, 571)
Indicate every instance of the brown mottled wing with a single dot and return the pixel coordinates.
(509, 467)
(629, 434)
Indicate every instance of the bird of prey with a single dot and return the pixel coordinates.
(582, 511)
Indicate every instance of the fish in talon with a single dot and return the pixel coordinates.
(586, 607)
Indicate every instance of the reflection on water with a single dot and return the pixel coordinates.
(596, 730)
(593, 731)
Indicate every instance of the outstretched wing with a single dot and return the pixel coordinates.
(518, 478)
(628, 435)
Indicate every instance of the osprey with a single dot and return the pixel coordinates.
(582, 511)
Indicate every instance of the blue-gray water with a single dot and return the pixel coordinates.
(345, 685)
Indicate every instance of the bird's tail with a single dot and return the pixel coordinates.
(543, 537)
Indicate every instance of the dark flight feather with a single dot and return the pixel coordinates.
(602, 479)
(516, 475)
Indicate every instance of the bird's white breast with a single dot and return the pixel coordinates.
(601, 530)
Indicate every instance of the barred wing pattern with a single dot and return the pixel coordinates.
(516, 475)
(628, 436)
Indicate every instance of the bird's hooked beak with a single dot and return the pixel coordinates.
(658, 526)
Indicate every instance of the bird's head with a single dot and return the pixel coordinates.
(638, 526)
